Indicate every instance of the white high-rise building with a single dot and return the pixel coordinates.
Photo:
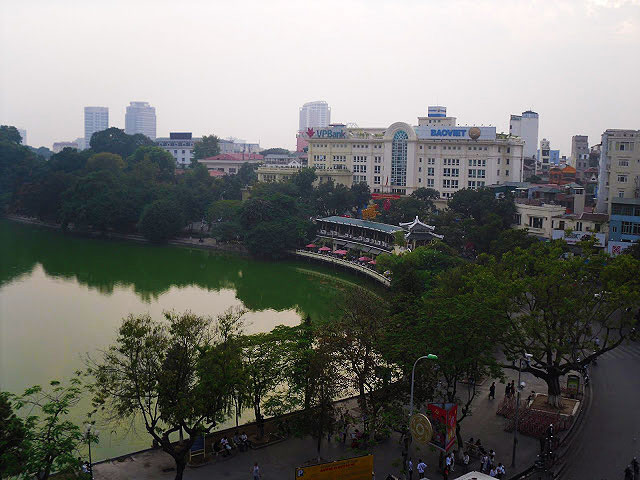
(314, 115)
(96, 119)
(140, 118)
(525, 126)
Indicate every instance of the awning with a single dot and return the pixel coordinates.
(340, 252)
(311, 245)
(364, 259)
(324, 249)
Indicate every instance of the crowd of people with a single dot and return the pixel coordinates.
(239, 441)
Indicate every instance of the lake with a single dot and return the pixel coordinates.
(63, 296)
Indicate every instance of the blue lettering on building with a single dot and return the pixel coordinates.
(448, 132)
(330, 134)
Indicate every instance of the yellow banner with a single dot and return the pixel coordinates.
(357, 468)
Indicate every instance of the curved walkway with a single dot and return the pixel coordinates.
(345, 263)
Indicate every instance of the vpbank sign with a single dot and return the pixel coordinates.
(457, 133)
(326, 133)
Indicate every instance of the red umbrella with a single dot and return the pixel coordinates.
(324, 249)
(311, 245)
(372, 262)
(340, 252)
(364, 259)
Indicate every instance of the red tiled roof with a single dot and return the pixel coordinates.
(216, 173)
(236, 157)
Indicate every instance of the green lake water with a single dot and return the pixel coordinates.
(62, 297)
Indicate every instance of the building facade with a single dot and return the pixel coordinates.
(580, 154)
(314, 115)
(235, 145)
(96, 119)
(624, 223)
(23, 136)
(59, 146)
(619, 175)
(140, 118)
(401, 158)
(525, 126)
(230, 163)
(180, 146)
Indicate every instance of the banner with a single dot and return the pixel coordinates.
(443, 417)
(357, 468)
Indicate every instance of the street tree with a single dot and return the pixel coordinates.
(426, 195)
(105, 161)
(114, 140)
(177, 374)
(563, 310)
(361, 194)
(159, 157)
(10, 134)
(52, 442)
(207, 147)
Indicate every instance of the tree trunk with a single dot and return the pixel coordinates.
(460, 441)
(554, 392)
(259, 420)
(180, 466)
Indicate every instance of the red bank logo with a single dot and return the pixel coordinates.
(310, 132)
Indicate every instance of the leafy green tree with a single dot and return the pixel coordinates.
(10, 134)
(41, 152)
(207, 147)
(157, 156)
(161, 220)
(105, 161)
(303, 180)
(404, 209)
(178, 375)
(69, 160)
(427, 195)
(361, 194)
(509, 240)
(114, 140)
(13, 435)
(52, 440)
(555, 308)
(247, 174)
(263, 371)
(17, 166)
(274, 151)
(195, 191)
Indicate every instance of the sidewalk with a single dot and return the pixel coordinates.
(278, 461)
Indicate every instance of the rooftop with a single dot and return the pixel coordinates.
(356, 222)
(234, 157)
(626, 201)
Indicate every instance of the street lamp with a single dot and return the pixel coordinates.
(89, 431)
(431, 356)
(527, 360)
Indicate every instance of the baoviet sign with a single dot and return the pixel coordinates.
(357, 468)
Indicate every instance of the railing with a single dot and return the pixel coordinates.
(357, 239)
(346, 263)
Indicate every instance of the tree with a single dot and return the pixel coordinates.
(13, 434)
(304, 179)
(275, 151)
(355, 340)
(161, 221)
(404, 209)
(105, 161)
(426, 195)
(178, 375)
(361, 194)
(207, 147)
(69, 160)
(156, 156)
(556, 306)
(263, 371)
(52, 440)
(509, 240)
(10, 134)
(114, 140)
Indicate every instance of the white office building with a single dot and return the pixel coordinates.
(180, 145)
(437, 153)
(314, 115)
(236, 145)
(525, 126)
(23, 136)
(96, 119)
(140, 118)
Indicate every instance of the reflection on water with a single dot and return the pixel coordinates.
(62, 297)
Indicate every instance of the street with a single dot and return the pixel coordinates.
(610, 436)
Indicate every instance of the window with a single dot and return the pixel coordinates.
(430, 182)
(507, 163)
(419, 169)
(377, 159)
(339, 158)
(376, 180)
(420, 147)
(430, 171)
(420, 159)
(399, 158)
(517, 218)
(498, 173)
(506, 172)
(182, 151)
(359, 179)
(446, 183)
(578, 226)
(317, 158)
(359, 169)
(622, 178)
(561, 225)
(498, 162)
(419, 180)
(471, 184)
(620, 193)
(536, 222)
(376, 169)
(431, 161)
(623, 163)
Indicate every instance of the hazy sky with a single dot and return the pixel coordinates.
(243, 68)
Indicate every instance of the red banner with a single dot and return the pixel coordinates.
(443, 417)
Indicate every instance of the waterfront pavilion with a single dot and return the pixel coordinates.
(356, 234)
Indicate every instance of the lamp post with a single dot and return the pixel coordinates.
(90, 430)
(431, 356)
(526, 359)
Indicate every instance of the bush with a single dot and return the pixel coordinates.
(160, 221)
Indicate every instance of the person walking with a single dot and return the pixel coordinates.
(465, 461)
(410, 469)
(507, 391)
(445, 473)
(447, 462)
(256, 471)
(421, 468)
(492, 391)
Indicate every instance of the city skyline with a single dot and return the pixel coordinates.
(580, 44)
